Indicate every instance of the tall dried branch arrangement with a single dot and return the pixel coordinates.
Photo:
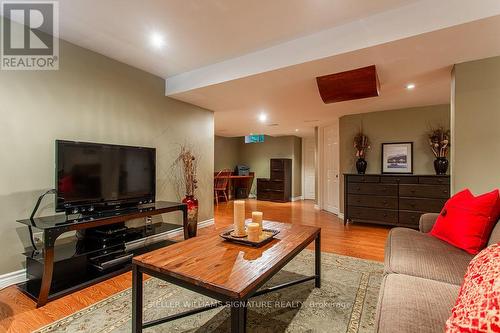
(439, 141)
(187, 162)
(361, 144)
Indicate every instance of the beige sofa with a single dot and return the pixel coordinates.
(422, 278)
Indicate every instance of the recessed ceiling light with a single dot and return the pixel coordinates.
(157, 40)
(296, 130)
(262, 117)
(410, 86)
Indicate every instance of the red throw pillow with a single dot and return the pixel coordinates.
(466, 221)
(477, 308)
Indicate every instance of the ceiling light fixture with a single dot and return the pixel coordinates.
(410, 86)
(296, 130)
(262, 117)
(157, 40)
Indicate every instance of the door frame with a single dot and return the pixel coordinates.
(304, 167)
(322, 166)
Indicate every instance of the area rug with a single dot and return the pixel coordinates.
(345, 302)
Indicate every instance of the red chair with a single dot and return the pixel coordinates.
(221, 182)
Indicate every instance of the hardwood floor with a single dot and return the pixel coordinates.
(18, 312)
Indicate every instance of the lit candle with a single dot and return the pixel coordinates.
(239, 218)
(257, 218)
(253, 231)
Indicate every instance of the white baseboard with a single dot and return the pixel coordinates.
(19, 276)
(316, 207)
(12, 278)
(340, 215)
(297, 198)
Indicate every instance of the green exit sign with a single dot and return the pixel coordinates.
(254, 138)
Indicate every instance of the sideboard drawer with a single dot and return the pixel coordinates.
(410, 219)
(422, 205)
(263, 195)
(364, 179)
(371, 214)
(277, 164)
(372, 201)
(424, 191)
(399, 179)
(373, 189)
(277, 185)
(434, 180)
(264, 184)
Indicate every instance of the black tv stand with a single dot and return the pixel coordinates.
(78, 262)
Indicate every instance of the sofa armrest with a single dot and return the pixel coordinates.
(427, 222)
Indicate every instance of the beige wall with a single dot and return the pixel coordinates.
(476, 122)
(226, 152)
(91, 98)
(400, 125)
(257, 156)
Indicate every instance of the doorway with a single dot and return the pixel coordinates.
(309, 168)
(329, 183)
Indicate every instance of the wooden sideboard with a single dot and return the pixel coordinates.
(279, 186)
(396, 200)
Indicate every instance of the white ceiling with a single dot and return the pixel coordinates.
(200, 32)
(290, 96)
(241, 57)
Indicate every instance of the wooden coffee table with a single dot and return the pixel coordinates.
(227, 272)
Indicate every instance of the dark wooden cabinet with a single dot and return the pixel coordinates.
(279, 186)
(397, 200)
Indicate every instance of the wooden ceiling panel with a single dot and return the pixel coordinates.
(349, 85)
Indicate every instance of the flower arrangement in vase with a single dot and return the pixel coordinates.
(439, 141)
(188, 164)
(361, 144)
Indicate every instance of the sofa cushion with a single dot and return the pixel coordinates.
(466, 221)
(411, 304)
(414, 253)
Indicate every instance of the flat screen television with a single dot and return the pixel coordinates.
(94, 176)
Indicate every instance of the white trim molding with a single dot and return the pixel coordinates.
(19, 276)
(12, 278)
(297, 198)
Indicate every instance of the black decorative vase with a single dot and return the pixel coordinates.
(361, 166)
(441, 165)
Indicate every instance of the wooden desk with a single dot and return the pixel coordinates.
(228, 272)
(236, 181)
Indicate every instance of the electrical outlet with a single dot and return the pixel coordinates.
(38, 237)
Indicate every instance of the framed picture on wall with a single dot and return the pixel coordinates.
(397, 157)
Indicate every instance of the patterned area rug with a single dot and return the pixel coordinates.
(345, 302)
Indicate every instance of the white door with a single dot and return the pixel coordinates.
(330, 184)
(309, 167)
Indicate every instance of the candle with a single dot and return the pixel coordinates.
(239, 218)
(253, 231)
(257, 218)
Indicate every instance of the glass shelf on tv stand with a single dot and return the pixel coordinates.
(72, 247)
